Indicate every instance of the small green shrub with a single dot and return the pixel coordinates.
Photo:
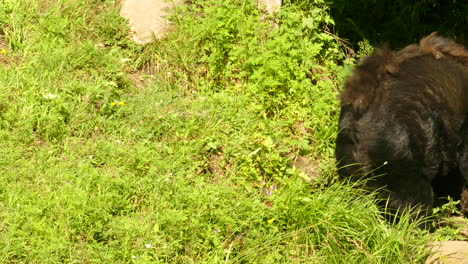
(286, 63)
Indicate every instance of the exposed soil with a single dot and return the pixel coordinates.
(147, 18)
(464, 202)
(448, 252)
(307, 166)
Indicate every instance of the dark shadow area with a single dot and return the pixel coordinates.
(399, 22)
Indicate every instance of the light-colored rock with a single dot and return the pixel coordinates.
(147, 18)
(271, 6)
(448, 252)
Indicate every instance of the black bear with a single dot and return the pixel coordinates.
(403, 124)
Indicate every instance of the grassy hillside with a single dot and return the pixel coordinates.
(101, 163)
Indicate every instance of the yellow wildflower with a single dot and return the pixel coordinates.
(113, 103)
(3, 51)
(121, 103)
(270, 221)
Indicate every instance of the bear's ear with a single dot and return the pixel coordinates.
(363, 85)
(359, 91)
(357, 101)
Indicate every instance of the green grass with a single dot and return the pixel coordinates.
(186, 167)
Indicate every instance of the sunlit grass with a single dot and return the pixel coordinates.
(97, 169)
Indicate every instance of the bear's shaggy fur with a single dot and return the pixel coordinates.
(404, 123)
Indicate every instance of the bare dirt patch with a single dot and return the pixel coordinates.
(448, 252)
(306, 165)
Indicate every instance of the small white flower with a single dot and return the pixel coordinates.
(169, 74)
(133, 257)
(91, 157)
(147, 245)
(111, 83)
(117, 141)
(50, 96)
(133, 130)
(125, 60)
